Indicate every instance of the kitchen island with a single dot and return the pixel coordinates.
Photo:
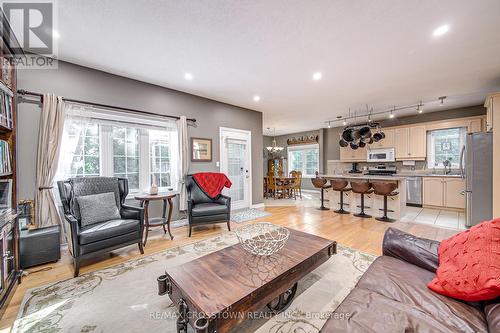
(373, 203)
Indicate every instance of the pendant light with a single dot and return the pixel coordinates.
(274, 148)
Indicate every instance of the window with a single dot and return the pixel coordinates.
(107, 143)
(304, 159)
(444, 145)
(126, 154)
(160, 158)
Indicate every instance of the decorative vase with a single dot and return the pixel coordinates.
(154, 188)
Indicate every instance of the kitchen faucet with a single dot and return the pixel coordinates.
(447, 166)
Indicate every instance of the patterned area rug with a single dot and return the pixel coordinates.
(124, 297)
(238, 216)
(248, 215)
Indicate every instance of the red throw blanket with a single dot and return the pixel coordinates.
(212, 183)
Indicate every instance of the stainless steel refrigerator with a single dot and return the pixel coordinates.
(476, 164)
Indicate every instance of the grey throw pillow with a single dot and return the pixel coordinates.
(97, 208)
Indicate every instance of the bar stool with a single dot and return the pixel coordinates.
(321, 183)
(362, 187)
(387, 190)
(340, 185)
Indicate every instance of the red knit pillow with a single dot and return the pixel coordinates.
(469, 264)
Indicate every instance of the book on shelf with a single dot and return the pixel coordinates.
(5, 160)
(5, 110)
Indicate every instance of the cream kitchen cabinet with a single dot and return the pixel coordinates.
(474, 126)
(433, 194)
(444, 192)
(492, 105)
(387, 142)
(410, 143)
(348, 154)
(454, 192)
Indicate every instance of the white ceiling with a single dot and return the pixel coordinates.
(378, 53)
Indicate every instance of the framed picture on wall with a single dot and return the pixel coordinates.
(201, 150)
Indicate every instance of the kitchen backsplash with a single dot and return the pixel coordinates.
(336, 167)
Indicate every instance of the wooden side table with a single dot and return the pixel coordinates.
(157, 221)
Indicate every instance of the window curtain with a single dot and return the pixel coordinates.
(183, 161)
(49, 146)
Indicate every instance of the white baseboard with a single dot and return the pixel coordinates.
(259, 205)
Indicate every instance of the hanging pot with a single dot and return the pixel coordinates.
(347, 135)
(354, 146)
(355, 134)
(377, 137)
(365, 132)
(343, 143)
(362, 144)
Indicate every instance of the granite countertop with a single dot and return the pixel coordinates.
(423, 174)
(368, 177)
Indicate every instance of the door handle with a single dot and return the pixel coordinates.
(462, 192)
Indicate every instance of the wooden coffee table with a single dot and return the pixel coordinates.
(217, 292)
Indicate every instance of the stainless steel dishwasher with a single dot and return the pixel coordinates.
(414, 191)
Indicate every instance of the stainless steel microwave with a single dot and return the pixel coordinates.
(380, 155)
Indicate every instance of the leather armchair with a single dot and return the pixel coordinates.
(204, 210)
(85, 241)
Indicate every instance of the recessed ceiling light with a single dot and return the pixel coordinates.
(188, 76)
(440, 31)
(256, 98)
(317, 76)
(55, 34)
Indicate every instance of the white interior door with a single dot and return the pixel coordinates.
(236, 159)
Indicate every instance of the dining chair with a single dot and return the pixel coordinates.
(297, 183)
(276, 186)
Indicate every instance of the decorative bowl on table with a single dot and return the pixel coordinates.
(263, 238)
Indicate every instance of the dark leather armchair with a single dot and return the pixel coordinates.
(84, 241)
(204, 210)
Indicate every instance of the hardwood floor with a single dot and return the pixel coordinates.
(361, 234)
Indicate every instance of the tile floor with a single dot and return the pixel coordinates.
(437, 217)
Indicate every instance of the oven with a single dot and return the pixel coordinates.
(380, 155)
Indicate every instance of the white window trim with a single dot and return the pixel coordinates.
(301, 147)
(431, 151)
(109, 118)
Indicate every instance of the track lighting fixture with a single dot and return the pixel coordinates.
(442, 98)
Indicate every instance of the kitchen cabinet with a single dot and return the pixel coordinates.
(387, 142)
(444, 192)
(489, 105)
(410, 143)
(347, 154)
(433, 193)
(401, 136)
(474, 126)
(453, 192)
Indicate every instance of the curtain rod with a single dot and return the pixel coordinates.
(39, 95)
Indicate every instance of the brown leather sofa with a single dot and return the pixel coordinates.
(392, 295)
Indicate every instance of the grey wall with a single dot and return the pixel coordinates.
(281, 141)
(73, 81)
(332, 135)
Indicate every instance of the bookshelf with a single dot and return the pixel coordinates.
(10, 274)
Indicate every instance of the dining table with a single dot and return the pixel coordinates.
(285, 180)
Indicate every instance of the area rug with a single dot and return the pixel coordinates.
(248, 214)
(124, 297)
